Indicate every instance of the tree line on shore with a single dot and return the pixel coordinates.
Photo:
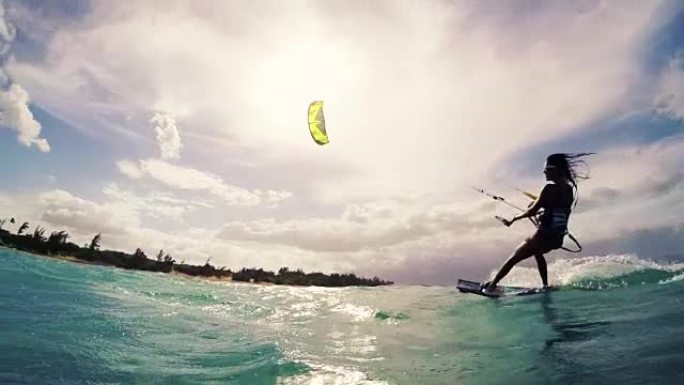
(57, 244)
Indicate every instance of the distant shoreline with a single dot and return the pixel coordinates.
(56, 246)
(70, 258)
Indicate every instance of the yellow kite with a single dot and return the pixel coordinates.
(317, 123)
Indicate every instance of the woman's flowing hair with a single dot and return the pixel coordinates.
(571, 166)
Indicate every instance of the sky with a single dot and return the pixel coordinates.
(181, 125)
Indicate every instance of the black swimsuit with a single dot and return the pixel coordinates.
(556, 204)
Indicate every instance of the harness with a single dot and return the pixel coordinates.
(558, 219)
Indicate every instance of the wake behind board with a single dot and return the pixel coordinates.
(472, 287)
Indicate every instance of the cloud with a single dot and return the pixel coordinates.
(168, 136)
(670, 99)
(155, 204)
(649, 188)
(420, 98)
(120, 213)
(631, 189)
(130, 169)
(14, 113)
(119, 217)
(14, 100)
(7, 31)
(273, 198)
(61, 208)
(184, 178)
(651, 243)
(434, 85)
(364, 227)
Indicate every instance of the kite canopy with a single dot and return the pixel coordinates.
(317, 122)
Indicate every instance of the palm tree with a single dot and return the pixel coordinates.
(56, 241)
(169, 259)
(139, 255)
(23, 227)
(95, 243)
(59, 237)
(38, 234)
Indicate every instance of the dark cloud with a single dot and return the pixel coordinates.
(598, 198)
(650, 243)
(658, 187)
(650, 188)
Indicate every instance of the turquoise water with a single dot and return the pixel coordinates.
(616, 319)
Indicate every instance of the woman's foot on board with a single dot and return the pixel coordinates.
(488, 286)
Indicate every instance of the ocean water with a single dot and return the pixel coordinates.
(616, 320)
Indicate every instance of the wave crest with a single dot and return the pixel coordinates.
(600, 272)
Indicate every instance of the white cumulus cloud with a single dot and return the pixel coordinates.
(168, 136)
(185, 178)
(14, 100)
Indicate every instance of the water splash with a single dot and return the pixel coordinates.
(598, 272)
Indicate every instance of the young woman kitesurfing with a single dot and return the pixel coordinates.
(552, 210)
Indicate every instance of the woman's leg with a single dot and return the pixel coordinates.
(524, 251)
(541, 265)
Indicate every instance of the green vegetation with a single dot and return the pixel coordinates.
(57, 244)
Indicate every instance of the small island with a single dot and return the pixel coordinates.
(56, 245)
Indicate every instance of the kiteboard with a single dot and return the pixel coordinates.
(465, 286)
